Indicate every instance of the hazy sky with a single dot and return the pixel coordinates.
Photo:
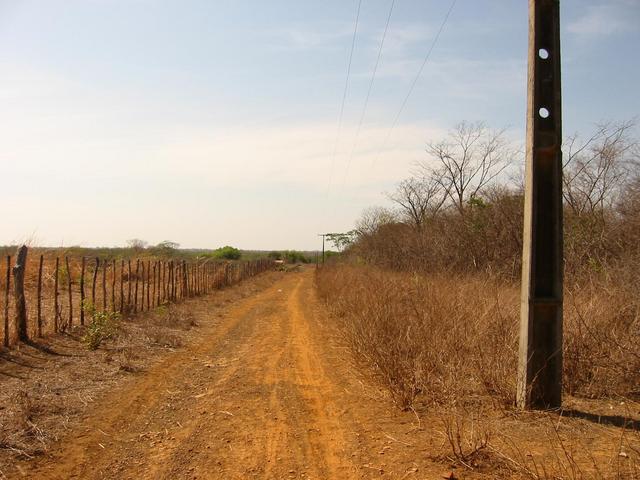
(215, 122)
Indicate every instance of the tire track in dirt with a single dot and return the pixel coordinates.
(122, 418)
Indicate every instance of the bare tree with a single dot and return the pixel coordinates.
(467, 161)
(372, 219)
(136, 244)
(596, 169)
(419, 198)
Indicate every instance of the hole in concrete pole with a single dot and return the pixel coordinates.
(543, 112)
(543, 53)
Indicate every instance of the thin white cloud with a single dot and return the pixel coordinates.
(606, 19)
(304, 37)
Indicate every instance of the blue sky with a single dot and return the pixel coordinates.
(215, 122)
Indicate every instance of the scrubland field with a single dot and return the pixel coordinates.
(428, 297)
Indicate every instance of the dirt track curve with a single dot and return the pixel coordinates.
(264, 393)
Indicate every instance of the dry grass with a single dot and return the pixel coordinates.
(450, 344)
(428, 336)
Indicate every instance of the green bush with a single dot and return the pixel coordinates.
(227, 253)
(292, 256)
(103, 326)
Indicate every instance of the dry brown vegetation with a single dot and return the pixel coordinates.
(428, 295)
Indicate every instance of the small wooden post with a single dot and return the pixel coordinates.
(135, 294)
(174, 285)
(159, 291)
(93, 286)
(122, 286)
(178, 280)
(164, 279)
(148, 281)
(169, 296)
(105, 264)
(20, 301)
(56, 305)
(185, 277)
(39, 317)
(153, 294)
(129, 287)
(70, 291)
(142, 288)
(82, 299)
(113, 287)
(6, 302)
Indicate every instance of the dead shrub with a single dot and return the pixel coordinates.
(163, 338)
(18, 429)
(467, 435)
(170, 316)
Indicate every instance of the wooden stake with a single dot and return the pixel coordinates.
(93, 286)
(113, 287)
(70, 291)
(105, 264)
(82, 299)
(56, 306)
(20, 302)
(121, 286)
(148, 281)
(142, 288)
(129, 288)
(6, 302)
(153, 295)
(39, 317)
(135, 295)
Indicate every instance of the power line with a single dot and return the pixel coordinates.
(417, 77)
(344, 97)
(366, 101)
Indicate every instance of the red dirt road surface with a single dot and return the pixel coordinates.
(266, 392)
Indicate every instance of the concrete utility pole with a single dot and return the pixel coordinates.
(540, 362)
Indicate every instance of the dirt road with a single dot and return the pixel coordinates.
(265, 393)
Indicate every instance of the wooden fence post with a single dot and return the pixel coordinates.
(6, 302)
(164, 285)
(40, 296)
(172, 293)
(56, 306)
(142, 289)
(148, 281)
(93, 286)
(121, 286)
(70, 290)
(135, 294)
(105, 264)
(153, 295)
(82, 302)
(185, 278)
(177, 280)
(20, 302)
(129, 287)
(113, 287)
(159, 291)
